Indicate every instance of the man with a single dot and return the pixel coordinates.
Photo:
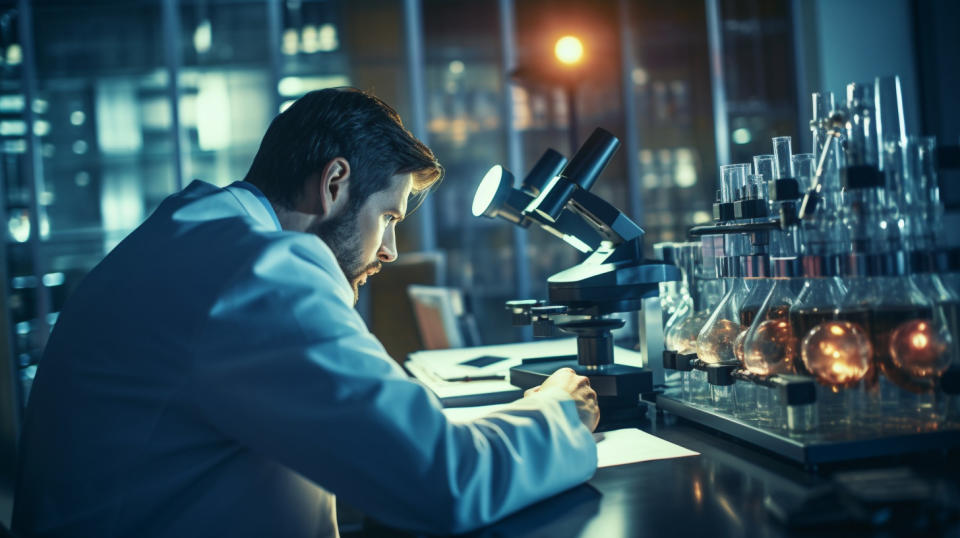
(211, 378)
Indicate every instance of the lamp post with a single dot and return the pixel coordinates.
(565, 73)
(569, 52)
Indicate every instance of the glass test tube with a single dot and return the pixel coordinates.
(804, 168)
(728, 182)
(755, 187)
(764, 165)
(744, 170)
(862, 142)
(782, 153)
(823, 104)
(889, 106)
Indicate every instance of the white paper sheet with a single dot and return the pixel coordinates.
(630, 445)
(617, 447)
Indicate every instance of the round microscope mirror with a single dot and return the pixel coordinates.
(492, 192)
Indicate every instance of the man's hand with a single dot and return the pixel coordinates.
(578, 387)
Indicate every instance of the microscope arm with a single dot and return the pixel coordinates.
(604, 218)
(568, 226)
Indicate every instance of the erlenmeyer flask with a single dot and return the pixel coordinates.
(682, 336)
(671, 292)
(715, 341)
(932, 360)
(671, 338)
(951, 280)
(759, 289)
(770, 346)
(686, 256)
(910, 337)
(816, 303)
(837, 353)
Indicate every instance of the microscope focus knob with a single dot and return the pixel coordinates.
(543, 325)
(594, 340)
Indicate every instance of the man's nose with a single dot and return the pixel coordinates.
(388, 248)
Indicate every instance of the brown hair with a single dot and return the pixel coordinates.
(340, 122)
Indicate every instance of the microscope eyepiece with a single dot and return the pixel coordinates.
(592, 157)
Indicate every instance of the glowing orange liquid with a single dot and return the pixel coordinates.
(879, 324)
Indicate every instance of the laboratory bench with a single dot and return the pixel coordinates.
(732, 489)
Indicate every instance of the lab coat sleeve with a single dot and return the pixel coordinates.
(285, 366)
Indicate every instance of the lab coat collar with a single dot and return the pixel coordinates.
(256, 205)
(264, 214)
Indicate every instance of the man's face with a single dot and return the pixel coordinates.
(364, 238)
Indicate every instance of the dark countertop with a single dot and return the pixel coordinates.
(720, 493)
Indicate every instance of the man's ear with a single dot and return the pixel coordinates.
(329, 189)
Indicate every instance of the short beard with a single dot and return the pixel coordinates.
(340, 234)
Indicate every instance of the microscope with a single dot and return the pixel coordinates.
(614, 277)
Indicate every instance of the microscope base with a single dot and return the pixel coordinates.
(618, 386)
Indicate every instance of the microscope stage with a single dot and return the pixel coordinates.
(617, 385)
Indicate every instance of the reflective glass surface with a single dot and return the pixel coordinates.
(108, 146)
(670, 81)
(20, 291)
(103, 145)
(760, 76)
(465, 104)
(225, 87)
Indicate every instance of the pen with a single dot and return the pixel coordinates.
(479, 378)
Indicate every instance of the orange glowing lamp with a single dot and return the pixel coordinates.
(569, 50)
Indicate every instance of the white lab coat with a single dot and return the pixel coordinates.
(210, 376)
